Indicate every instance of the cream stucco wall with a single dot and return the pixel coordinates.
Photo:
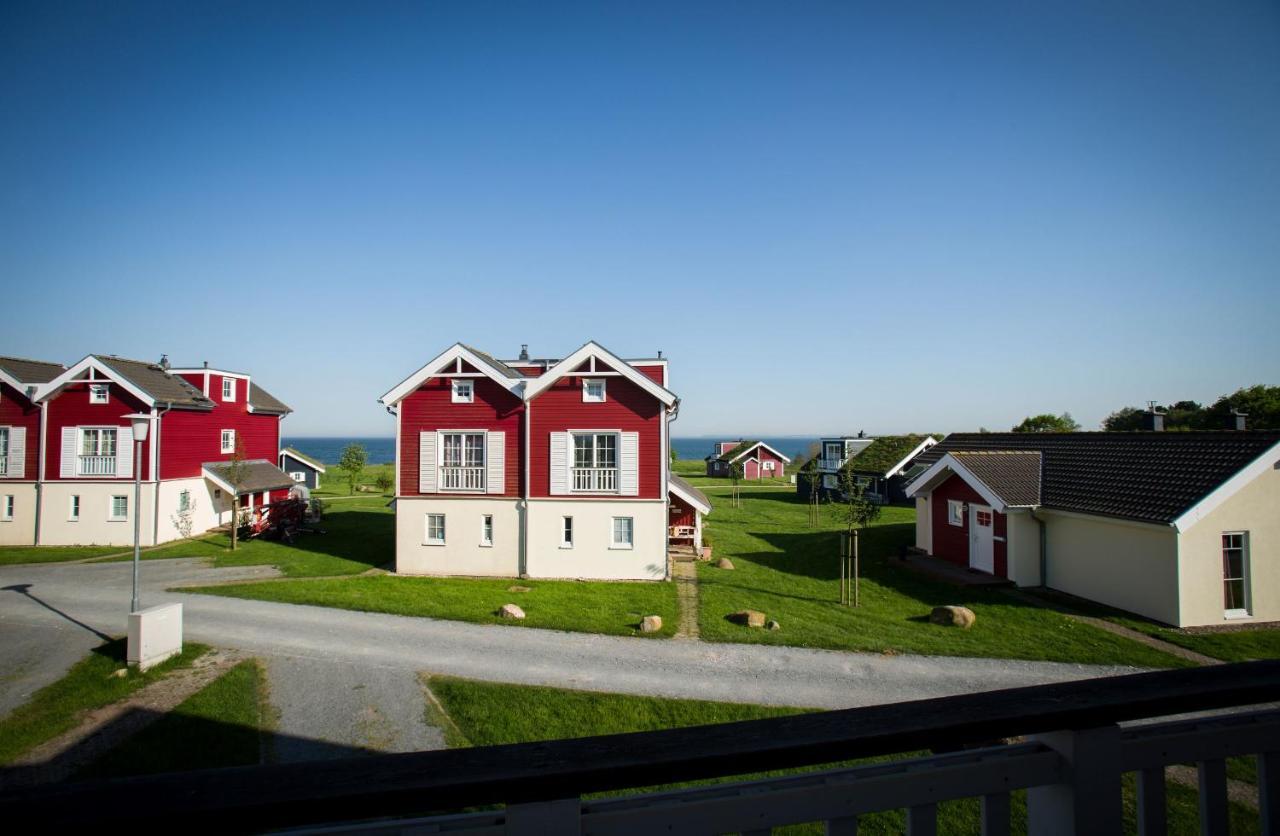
(21, 530)
(1131, 566)
(207, 511)
(592, 555)
(93, 528)
(924, 525)
(1255, 508)
(462, 553)
(1022, 548)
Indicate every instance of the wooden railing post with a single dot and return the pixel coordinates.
(1088, 800)
(544, 818)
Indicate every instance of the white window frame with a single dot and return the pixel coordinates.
(298, 476)
(1246, 611)
(4, 450)
(486, 530)
(98, 447)
(427, 524)
(595, 436)
(229, 389)
(566, 532)
(7, 504)
(228, 441)
(99, 393)
(111, 508)
(955, 513)
(462, 390)
(587, 384)
(483, 466)
(184, 501)
(630, 543)
(73, 508)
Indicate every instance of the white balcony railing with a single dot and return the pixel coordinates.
(462, 478)
(595, 479)
(830, 464)
(96, 466)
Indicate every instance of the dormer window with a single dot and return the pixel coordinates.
(228, 388)
(99, 393)
(464, 391)
(593, 390)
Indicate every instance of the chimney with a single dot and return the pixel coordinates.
(1154, 418)
(164, 362)
(659, 354)
(1236, 420)
(862, 434)
(206, 364)
(524, 351)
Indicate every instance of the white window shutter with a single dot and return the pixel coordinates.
(427, 472)
(629, 462)
(124, 453)
(559, 464)
(67, 467)
(495, 459)
(17, 452)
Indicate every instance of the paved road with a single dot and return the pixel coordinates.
(96, 596)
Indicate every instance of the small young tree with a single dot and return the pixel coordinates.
(813, 479)
(735, 473)
(384, 480)
(184, 520)
(236, 473)
(857, 511)
(352, 463)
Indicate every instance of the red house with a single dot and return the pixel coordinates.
(20, 446)
(200, 417)
(533, 467)
(758, 460)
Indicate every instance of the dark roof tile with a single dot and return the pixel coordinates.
(31, 371)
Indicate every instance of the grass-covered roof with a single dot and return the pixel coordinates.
(884, 453)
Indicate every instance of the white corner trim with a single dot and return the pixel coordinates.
(439, 363)
(897, 468)
(1229, 488)
(593, 350)
(91, 362)
(679, 491)
(753, 447)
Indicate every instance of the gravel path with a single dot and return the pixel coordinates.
(686, 577)
(97, 596)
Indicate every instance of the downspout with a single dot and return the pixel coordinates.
(44, 423)
(522, 559)
(672, 414)
(1044, 550)
(155, 473)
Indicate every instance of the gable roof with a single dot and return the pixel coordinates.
(260, 400)
(887, 455)
(260, 475)
(745, 447)
(686, 491)
(26, 372)
(565, 367)
(1156, 477)
(146, 381)
(303, 458)
(497, 371)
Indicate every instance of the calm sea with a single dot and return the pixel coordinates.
(329, 450)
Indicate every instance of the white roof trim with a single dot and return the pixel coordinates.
(218, 480)
(1268, 460)
(923, 482)
(566, 366)
(5, 377)
(314, 465)
(924, 445)
(435, 365)
(765, 446)
(44, 390)
(679, 491)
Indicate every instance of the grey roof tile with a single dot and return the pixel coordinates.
(31, 371)
(1014, 475)
(159, 384)
(263, 401)
(260, 475)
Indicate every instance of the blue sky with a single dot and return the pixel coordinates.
(830, 217)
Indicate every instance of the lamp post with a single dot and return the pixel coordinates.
(141, 425)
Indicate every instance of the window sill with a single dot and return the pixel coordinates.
(1236, 615)
(486, 545)
(621, 548)
(433, 543)
(566, 545)
(117, 519)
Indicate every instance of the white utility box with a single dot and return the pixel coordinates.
(155, 634)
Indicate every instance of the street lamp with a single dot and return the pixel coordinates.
(141, 425)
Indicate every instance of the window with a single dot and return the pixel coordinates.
(73, 513)
(464, 391)
(99, 393)
(595, 462)
(622, 532)
(6, 508)
(566, 533)
(119, 508)
(593, 390)
(1235, 573)
(298, 476)
(435, 529)
(4, 451)
(97, 452)
(829, 481)
(486, 530)
(462, 462)
(228, 388)
(184, 502)
(955, 512)
(984, 519)
(228, 441)
(834, 453)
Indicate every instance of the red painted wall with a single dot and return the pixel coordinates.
(681, 512)
(431, 408)
(188, 438)
(17, 411)
(950, 542)
(627, 408)
(71, 408)
(656, 372)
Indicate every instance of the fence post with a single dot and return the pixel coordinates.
(1088, 799)
(544, 818)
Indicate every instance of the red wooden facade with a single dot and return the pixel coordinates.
(17, 411)
(682, 513)
(951, 542)
(71, 408)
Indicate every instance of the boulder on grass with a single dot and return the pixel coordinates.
(749, 618)
(651, 624)
(724, 563)
(511, 611)
(772, 625)
(953, 616)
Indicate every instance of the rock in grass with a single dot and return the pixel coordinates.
(519, 589)
(511, 611)
(120, 673)
(748, 618)
(724, 563)
(953, 616)
(651, 624)
(772, 625)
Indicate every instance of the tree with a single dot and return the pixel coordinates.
(384, 480)
(1047, 423)
(856, 512)
(1126, 419)
(735, 473)
(1261, 403)
(352, 464)
(813, 479)
(236, 473)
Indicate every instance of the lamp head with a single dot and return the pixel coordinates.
(141, 425)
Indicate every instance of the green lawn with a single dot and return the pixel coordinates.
(614, 608)
(334, 482)
(791, 572)
(88, 685)
(695, 470)
(219, 726)
(52, 554)
(487, 714)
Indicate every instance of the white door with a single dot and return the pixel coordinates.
(982, 544)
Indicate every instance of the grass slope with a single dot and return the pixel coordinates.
(89, 684)
(52, 554)
(791, 572)
(613, 608)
